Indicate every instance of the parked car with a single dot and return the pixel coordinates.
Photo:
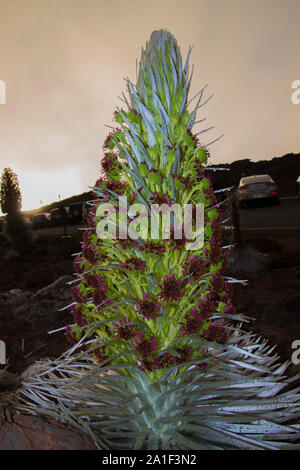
(58, 216)
(257, 187)
(41, 221)
(74, 212)
(298, 187)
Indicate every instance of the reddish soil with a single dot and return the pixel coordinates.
(271, 298)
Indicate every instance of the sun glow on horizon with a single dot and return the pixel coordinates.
(39, 188)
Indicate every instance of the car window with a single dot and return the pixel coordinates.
(255, 179)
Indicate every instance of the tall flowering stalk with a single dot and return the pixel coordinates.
(163, 362)
(153, 287)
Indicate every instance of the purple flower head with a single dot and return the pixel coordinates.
(206, 306)
(109, 162)
(77, 295)
(125, 330)
(100, 294)
(108, 143)
(228, 288)
(186, 181)
(185, 355)
(91, 220)
(170, 288)
(195, 267)
(215, 253)
(229, 309)
(163, 198)
(71, 336)
(78, 315)
(91, 253)
(77, 264)
(115, 186)
(199, 168)
(134, 263)
(216, 284)
(148, 307)
(132, 197)
(192, 323)
(165, 360)
(98, 184)
(146, 364)
(176, 243)
(152, 247)
(125, 243)
(215, 332)
(94, 280)
(101, 354)
(87, 237)
(146, 347)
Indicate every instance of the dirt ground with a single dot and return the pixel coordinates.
(27, 313)
(272, 298)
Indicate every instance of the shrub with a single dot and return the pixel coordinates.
(16, 229)
(10, 194)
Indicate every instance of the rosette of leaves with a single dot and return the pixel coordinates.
(163, 361)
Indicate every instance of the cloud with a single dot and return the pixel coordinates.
(64, 62)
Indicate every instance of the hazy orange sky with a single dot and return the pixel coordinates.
(63, 63)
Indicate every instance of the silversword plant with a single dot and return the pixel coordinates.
(159, 357)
